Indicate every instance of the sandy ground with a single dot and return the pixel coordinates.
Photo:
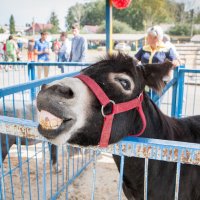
(29, 181)
(106, 184)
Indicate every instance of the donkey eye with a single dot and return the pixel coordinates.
(125, 83)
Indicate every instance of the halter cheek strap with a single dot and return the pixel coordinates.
(116, 108)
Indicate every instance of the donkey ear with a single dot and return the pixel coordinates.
(154, 74)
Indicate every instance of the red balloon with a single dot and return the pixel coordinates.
(121, 4)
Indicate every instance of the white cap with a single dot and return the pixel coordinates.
(156, 31)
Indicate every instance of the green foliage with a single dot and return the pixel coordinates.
(196, 31)
(118, 27)
(12, 25)
(179, 12)
(55, 22)
(132, 15)
(139, 15)
(1, 30)
(154, 12)
(180, 29)
(197, 18)
(76, 13)
(94, 13)
(183, 30)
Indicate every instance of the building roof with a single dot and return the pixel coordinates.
(38, 27)
(116, 37)
(90, 29)
(195, 38)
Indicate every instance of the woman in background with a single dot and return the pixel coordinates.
(155, 51)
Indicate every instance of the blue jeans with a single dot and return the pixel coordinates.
(61, 58)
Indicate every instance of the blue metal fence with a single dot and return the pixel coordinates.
(12, 73)
(27, 170)
(177, 95)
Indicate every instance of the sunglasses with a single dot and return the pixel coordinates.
(155, 31)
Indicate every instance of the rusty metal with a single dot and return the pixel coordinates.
(189, 153)
(134, 147)
(20, 127)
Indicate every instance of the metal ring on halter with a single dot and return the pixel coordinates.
(103, 106)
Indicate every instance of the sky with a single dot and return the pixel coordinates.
(25, 10)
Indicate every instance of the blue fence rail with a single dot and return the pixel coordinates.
(12, 73)
(181, 91)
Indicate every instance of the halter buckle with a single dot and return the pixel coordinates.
(103, 106)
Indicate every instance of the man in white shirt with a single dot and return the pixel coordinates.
(64, 51)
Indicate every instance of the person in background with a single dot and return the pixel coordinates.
(4, 48)
(168, 44)
(11, 49)
(31, 54)
(79, 45)
(1, 54)
(65, 49)
(20, 44)
(1, 51)
(55, 48)
(155, 51)
(42, 50)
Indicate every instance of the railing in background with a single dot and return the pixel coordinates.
(12, 73)
(168, 99)
(180, 96)
(188, 92)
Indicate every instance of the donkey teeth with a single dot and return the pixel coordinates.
(53, 124)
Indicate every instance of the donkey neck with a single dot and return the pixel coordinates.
(159, 125)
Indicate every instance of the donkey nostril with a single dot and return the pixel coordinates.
(71, 94)
(66, 91)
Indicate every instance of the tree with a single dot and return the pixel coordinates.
(155, 12)
(12, 25)
(179, 12)
(55, 22)
(94, 13)
(197, 18)
(76, 13)
(1, 30)
(132, 15)
(180, 29)
(139, 15)
(118, 27)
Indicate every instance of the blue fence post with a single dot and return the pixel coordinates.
(180, 86)
(31, 76)
(174, 93)
(109, 26)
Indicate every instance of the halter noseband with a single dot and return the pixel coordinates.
(116, 108)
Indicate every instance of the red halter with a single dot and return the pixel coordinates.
(117, 108)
